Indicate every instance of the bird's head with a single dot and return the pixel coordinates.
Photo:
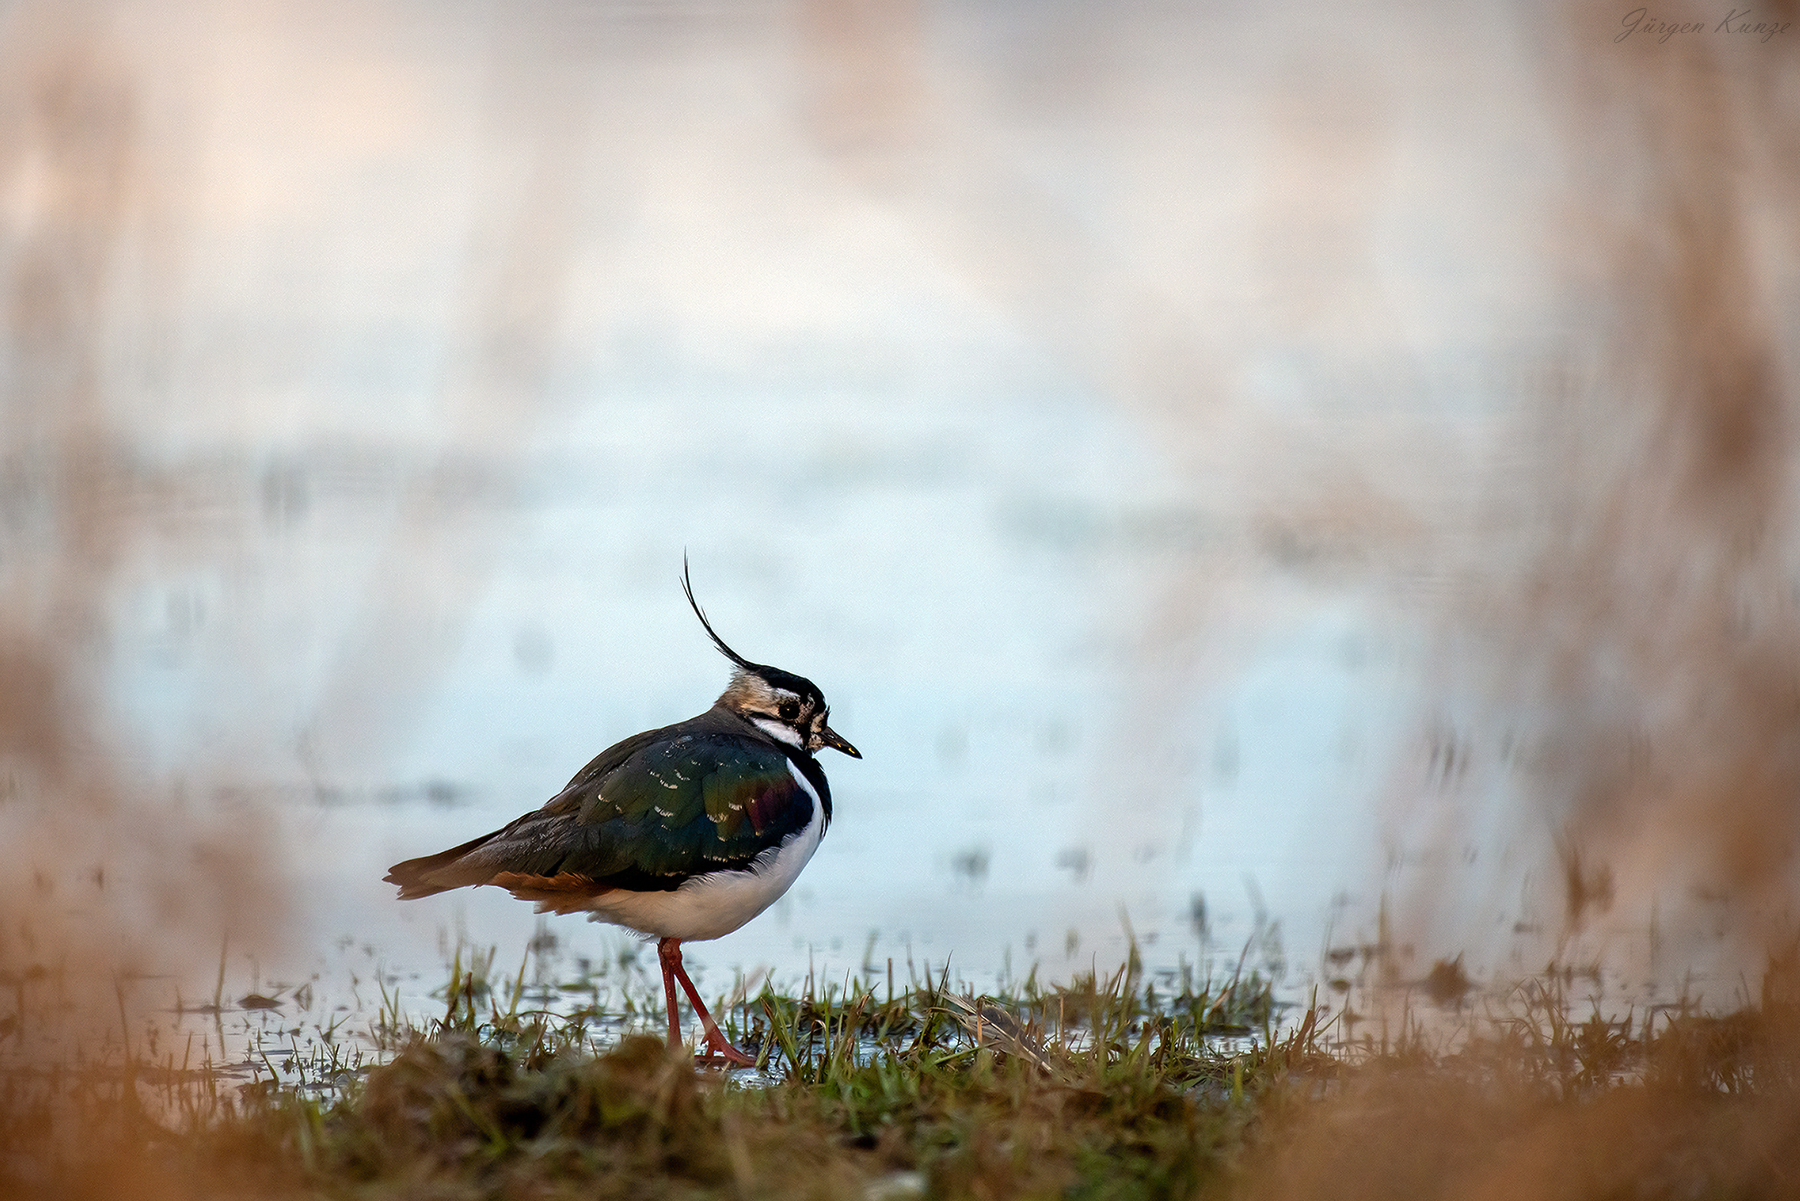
(786, 707)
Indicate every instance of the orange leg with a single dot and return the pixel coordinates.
(669, 951)
(663, 950)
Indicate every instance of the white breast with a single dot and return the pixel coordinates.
(714, 905)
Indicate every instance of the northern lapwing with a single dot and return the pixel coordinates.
(682, 834)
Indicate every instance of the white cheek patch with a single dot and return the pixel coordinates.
(777, 730)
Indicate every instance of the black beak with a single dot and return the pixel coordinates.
(835, 741)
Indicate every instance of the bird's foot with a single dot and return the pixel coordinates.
(730, 1054)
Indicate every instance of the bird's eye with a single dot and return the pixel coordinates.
(789, 710)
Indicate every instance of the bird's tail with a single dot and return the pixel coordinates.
(437, 873)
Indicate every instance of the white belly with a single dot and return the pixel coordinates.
(714, 905)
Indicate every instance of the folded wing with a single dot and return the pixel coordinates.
(645, 816)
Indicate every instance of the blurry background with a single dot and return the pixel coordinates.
(1284, 478)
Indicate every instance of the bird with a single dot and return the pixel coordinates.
(682, 834)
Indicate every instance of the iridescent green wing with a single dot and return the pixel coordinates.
(694, 803)
(646, 815)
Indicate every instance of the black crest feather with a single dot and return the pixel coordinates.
(687, 586)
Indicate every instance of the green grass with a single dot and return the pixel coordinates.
(1103, 1088)
(1101, 1081)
